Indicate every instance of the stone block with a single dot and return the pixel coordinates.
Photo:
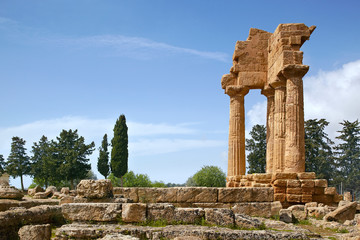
(276, 207)
(99, 212)
(95, 188)
(66, 199)
(130, 193)
(280, 183)
(262, 176)
(157, 195)
(321, 183)
(317, 212)
(311, 204)
(297, 191)
(10, 192)
(35, 232)
(292, 183)
(65, 190)
(307, 183)
(279, 190)
(284, 176)
(189, 215)
(319, 190)
(280, 197)
(338, 198)
(198, 194)
(306, 198)
(323, 198)
(293, 198)
(262, 194)
(210, 205)
(233, 195)
(286, 216)
(347, 196)
(330, 191)
(255, 209)
(343, 213)
(244, 221)
(307, 190)
(133, 212)
(220, 216)
(32, 191)
(306, 175)
(161, 211)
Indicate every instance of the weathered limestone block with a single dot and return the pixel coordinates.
(347, 196)
(95, 188)
(298, 212)
(133, 212)
(233, 195)
(306, 175)
(35, 232)
(197, 194)
(343, 213)
(292, 183)
(307, 190)
(255, 209)
(280, 197)
(309, 183)
(244, 221)
(34, 190)
(291, 198)
(321, 183)
(317, 212)
(275, 208)
(306, 198)
(161, 211)
(280, 183)
(157, 195)
(279, 189)
(66, 199)
(330, 191)
(220, 216)
(118, 236)
(297, 191)
(284, 175)
(42, 195)
(100, 212)
(131, 193)
(286, 216)
(209, 205)
(189, 215)
(65, 190)
(9, 192)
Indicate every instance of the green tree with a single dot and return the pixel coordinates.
(130, 179)
(103, 160)
(44, 163)
(348, 156)
(318, 149)
(72, 152)
(257, 149)
(18, 163)
(208, 176)
(2, 164)
(119, 151)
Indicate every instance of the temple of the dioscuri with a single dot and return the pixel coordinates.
(272, 62)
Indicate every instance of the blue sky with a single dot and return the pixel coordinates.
(80, 64)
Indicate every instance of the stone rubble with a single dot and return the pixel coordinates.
(35, 232)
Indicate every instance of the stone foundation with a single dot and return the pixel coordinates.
(290, 188)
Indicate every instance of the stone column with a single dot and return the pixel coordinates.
(279, 125)
(269, 93)
(236, 155)
(295, 132)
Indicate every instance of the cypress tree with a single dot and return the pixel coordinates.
(119, 151)
(2, 165)
(103, 160)
(257, 149)
(318, 149)
(18, 163)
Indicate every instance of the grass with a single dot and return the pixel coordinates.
(303, 222)
(337, 230)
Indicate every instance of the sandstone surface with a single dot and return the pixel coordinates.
(35, 232)
(95, 189)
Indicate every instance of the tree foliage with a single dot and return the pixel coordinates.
(45, 165)
(130, 179)
(2, 164)
(71, 151)
(348, 156)
(119, 151)
(103, 160)
(18, 163)
(208, 176)
(318, 149)
(256, 146)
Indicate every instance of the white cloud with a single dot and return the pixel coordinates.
(334, 95)
(137, 47)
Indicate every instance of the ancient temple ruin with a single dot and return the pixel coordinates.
(271, 62)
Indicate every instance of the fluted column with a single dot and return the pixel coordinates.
(279, 125)
(270, 94)
(295, 132)
(236, 155)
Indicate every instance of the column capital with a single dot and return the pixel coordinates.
(294, 70)
(268, 92)
(234, 90)
(280, 82)
(227, 80)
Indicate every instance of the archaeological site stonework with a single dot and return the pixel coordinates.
(272, 62)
